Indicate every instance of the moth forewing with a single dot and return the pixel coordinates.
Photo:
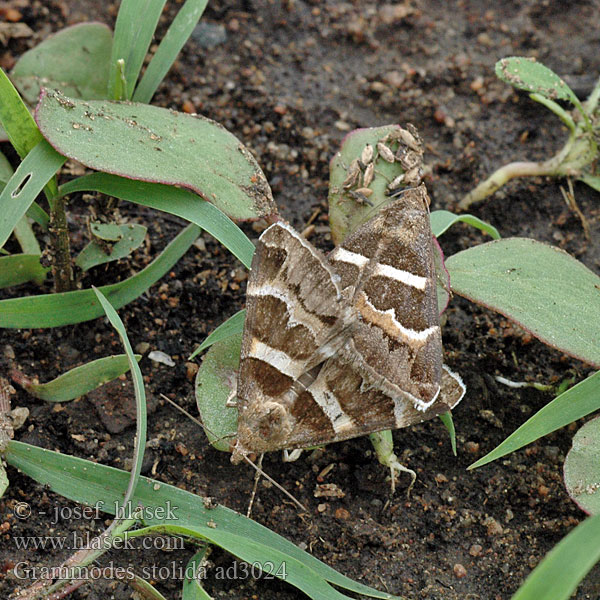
(296, 314)
(341, 347)
(397, 340)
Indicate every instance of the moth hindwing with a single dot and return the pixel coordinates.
(341, 347)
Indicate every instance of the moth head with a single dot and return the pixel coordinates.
(263, 428)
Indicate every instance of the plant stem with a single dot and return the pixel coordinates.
(504, 174)
(592, 102)
(61, 263)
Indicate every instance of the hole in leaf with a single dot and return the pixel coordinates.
(21, 185)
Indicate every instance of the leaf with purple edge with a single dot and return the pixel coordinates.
(153, 144)
(531, 283)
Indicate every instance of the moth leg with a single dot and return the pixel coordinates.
(384, 448)
(291, 456)
(232, 401)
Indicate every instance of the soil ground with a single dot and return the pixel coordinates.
(290, 79)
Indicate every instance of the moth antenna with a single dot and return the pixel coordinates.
(257, 468)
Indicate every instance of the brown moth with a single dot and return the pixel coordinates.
(339, 347)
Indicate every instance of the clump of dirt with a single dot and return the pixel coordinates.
(290, 79)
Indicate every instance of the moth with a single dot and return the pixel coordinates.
(341, 346)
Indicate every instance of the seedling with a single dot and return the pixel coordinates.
(111, 70)
(577, 157)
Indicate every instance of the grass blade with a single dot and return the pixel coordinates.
(448, 422)
(134, 29)
(558, 575)
(192, 589)
(233, 326)
(90, 483)
(19, 268)
(16, 119)
(36, 170)
(177, 35)
(55, 310)
(442, 220)
(39, 215)
(78, 381)
(173, 200)
(140, 397)
(577, 402)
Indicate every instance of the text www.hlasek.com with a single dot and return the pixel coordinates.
(89, 541)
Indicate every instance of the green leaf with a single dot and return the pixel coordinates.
(90, 483)
(581, 468)
(173, 200)
(442, 220)
(177, 35)
(94, 254)
(78, 381)
(592, 181)
(16, 119)
(134, 29)
(154, 144)
(39, 215)
(140, 396)
(110, 232)
(559, 574)
(3, 479)
(527, 74)
(37, 168)
(19, 268)
(233, 326)
(545, 290)
(75, 60)
(215, 379)
(448, 422)
(345, 213)
(6, 171)
(56, 310)
(192, 589)
(577, 402)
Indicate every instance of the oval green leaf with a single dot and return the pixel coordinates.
(582, 467)
(529, 75)
(154, 144)
(544, 289)
(215, 379)
(95, 254)
(345, 213)
(75, 60)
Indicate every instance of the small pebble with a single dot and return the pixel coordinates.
(459, 571)
(475, 550)
(342, 513)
